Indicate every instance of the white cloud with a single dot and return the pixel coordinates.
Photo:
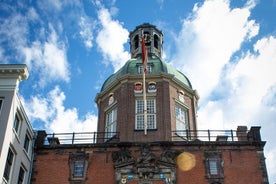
(14, 30)
(48, 59)
(32, 14)
(270, 162)
(51, 5)
(111, 39)
(249, 87)
(2, 57)
(86, 28)
(210, 36)
(254, 74)
(50, 110)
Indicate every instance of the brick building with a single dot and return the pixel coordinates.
(147, 133)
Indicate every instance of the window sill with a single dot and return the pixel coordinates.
(214, 177)
(27, 154)
(110, 138)
(77, 179)
(141, 130)
(4, 181)
(16, 135)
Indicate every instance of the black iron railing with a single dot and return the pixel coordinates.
(208, 135)
(185, 135)
(81, 137)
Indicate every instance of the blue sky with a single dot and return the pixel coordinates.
(226, 48)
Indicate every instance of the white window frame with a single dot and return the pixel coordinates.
(111, 123)
(213, 166)
(27, 147)
(151, 114)
(17, 122)
(181, 121)
(10, 169)
(78, 168)
(24, 174)
(141, 69)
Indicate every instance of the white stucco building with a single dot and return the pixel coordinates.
(16, 133)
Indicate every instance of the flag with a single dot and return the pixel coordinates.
(144, 55)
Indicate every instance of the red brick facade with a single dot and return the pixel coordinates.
(166, 97)
(242, 163)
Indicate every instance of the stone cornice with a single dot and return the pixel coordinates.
(9, 70)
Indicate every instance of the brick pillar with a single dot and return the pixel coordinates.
(242, 133)
(40, 138)
(254, 134)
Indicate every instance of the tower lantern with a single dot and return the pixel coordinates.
(153, 40)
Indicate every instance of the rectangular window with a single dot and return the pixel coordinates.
(213, 166)
(111, 123)
(21, 175)
(78, 168)
(16, 124)
(27, 142)
(151, 114)
(181, 118)
(9, 163)
(141, 69)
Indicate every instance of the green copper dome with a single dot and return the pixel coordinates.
(157, 67)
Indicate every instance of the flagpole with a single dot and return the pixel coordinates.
(144, 61)
(145, 104)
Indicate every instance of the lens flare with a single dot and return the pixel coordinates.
(185, 161)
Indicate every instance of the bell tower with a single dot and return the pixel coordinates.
(153, 41)
(171, 102)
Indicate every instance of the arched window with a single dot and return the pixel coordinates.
(156, 41)
(147, 37)
(111, 98)
(152, 87)
(138, 87)
(181, 96)
(136, 42)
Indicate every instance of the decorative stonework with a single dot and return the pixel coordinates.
(146, 163)
(122, 158)
(146, 168)
(168, 157)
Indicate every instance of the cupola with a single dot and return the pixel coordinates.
(153, 40)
